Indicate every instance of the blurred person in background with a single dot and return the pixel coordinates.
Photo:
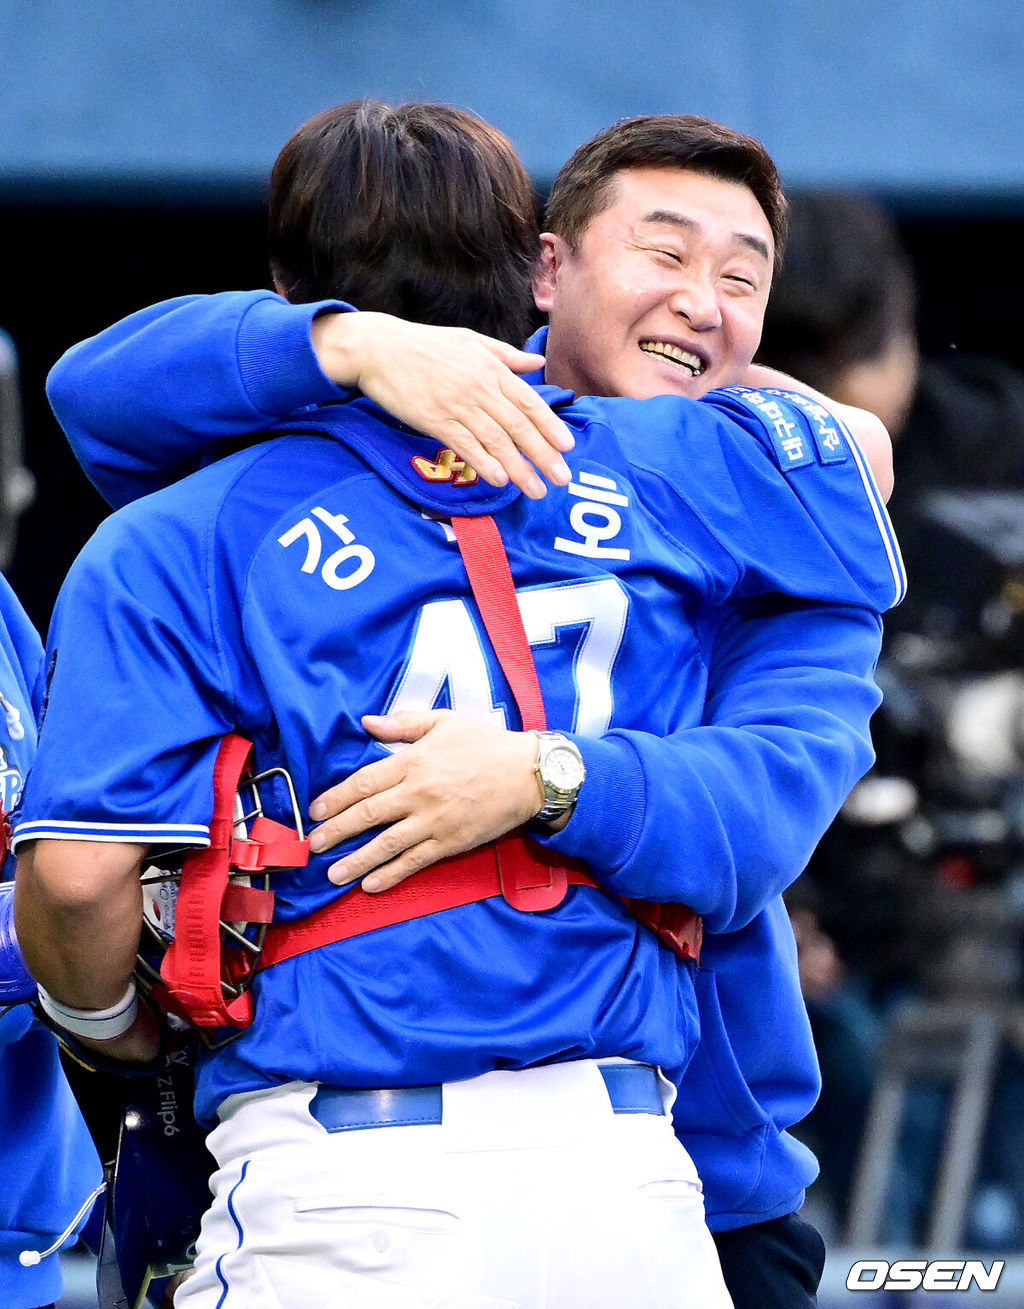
(843, 315)
(48, 1166)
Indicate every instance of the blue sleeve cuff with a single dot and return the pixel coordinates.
(279, 368)
(606, 824)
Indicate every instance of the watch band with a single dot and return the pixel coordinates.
(561, 788)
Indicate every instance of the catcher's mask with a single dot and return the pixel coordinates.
(206, 918)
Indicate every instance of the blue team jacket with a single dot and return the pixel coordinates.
(47, 1160)
(146, 400)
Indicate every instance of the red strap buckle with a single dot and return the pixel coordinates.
(270, 845)
(528, 881)
(205, 1008)
(676, 926)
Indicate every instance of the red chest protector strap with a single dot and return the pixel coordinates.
(486, 563)
(528, 882)
(200, 978)
(482, 873)
(528, 876)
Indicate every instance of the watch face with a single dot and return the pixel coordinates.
(563, 769)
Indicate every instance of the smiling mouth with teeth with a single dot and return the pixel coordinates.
(674, 354)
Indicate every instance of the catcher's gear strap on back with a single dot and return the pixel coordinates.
(525, 874)
(194, 969)
(487, 871)
(483, 553)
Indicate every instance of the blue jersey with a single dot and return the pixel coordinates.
(48, 1162)
(295, 586)
(782, 737)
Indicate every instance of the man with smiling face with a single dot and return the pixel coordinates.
(662, 290)
(656, 270)
(655, 273)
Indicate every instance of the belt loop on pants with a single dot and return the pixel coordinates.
(632, 1089)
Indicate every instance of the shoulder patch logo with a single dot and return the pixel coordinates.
(825, 429)
(792, 448)
(446, 467)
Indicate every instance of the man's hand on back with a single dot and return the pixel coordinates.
(459, 784)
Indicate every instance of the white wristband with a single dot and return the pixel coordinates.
(93, 1024)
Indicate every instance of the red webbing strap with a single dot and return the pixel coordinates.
(269, 845)
(483, 553)
(526, 883)
(194, 980)
(464, 879)
(191, 968)
(676, 926)
(450, 884)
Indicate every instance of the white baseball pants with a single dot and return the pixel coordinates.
(531, 1193)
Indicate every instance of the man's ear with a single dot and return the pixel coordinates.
(553, 251)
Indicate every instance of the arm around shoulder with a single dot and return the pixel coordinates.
(155, 396)
(723, 816)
